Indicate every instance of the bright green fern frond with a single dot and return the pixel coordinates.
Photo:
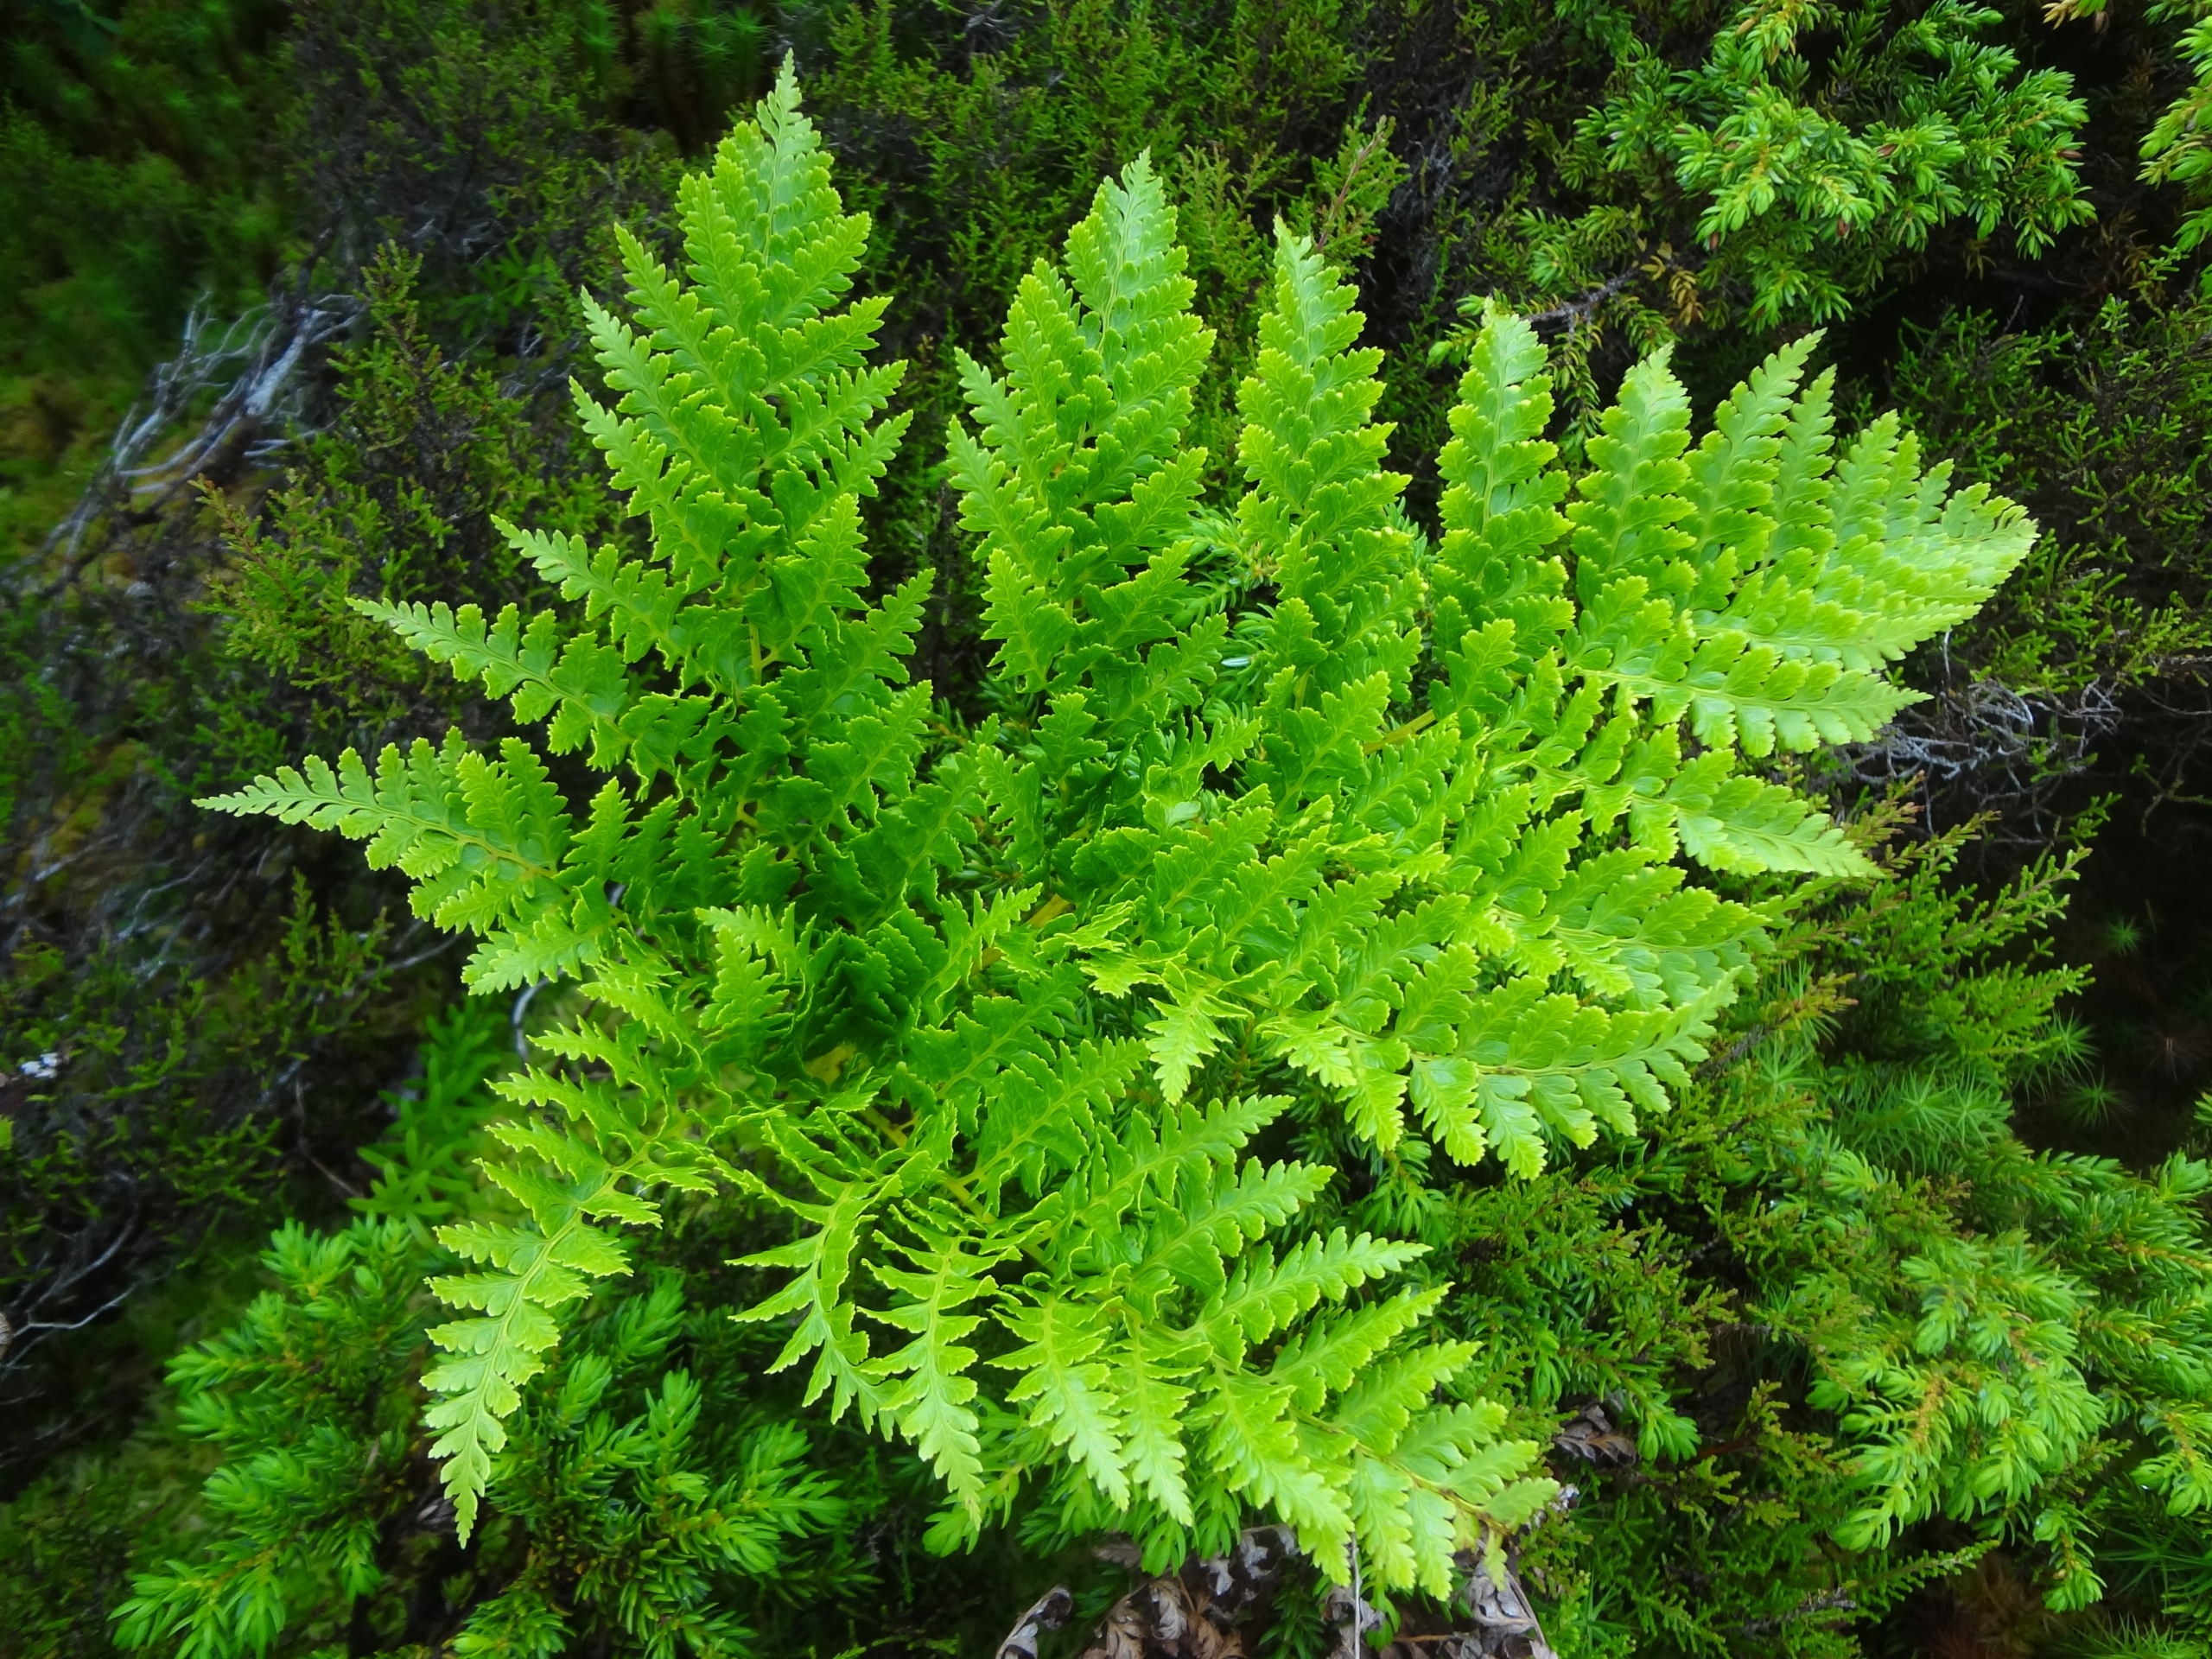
(489, 1358)
(1628, 520)
(1321, 520)
(1264, 1295)
(1069, 1388)
(742, 675)
(931, 1400)
(1077, 477)
(1501, 515)
(1731, 484)
(483, 840)
(1327, 1359)
(578, 680)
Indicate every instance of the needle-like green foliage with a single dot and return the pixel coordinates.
(1287, 806)
(1819, 146)
(627, 1518)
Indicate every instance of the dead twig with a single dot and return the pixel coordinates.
(256, 359)
(1575, 313)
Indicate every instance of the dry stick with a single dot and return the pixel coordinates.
(263, 349)
(1574, 312)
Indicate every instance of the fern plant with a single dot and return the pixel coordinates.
(1290, 806)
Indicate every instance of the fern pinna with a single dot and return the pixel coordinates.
(1288, 802)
